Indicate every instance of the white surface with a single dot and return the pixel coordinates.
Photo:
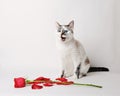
(109, 81)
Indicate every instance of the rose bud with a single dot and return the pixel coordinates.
(19, 82)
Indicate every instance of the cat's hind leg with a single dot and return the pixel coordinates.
(77, 72)
(85, 65)
(82, 70)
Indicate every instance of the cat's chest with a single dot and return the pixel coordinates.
(66, 51)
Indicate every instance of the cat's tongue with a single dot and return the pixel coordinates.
(63, 37)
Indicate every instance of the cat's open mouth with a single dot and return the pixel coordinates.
(63, 37)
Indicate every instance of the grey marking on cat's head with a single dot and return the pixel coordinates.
(65, 32)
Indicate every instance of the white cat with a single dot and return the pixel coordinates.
(72, 54)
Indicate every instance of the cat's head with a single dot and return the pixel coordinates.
(65, 32)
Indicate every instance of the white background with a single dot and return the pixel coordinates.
(27, 33)
(117, 34)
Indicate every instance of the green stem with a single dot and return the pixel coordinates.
(92, 85)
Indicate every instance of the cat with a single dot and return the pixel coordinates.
(73, 57)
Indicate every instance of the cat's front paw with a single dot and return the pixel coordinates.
(63, 74)
(68, 75)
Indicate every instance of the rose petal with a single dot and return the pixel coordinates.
(34, 82)
(48, 84)
(62, 79)
(35, 86)
(19, 82)
(42, 79)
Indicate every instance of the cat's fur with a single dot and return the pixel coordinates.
(72, 54)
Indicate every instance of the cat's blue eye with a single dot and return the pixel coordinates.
(58, 30)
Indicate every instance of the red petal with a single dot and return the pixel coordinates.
(35, 86)
(33, 82)
(42, 79)
(62, 79)
(48, 84)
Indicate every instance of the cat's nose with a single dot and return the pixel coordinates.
(63, 33)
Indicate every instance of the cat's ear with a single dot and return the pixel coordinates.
(58, 25)
(71, 24)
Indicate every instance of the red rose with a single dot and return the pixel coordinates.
(35, 86)
(39, 82)
(19, 82)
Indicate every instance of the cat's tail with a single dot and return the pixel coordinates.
(98, 69)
